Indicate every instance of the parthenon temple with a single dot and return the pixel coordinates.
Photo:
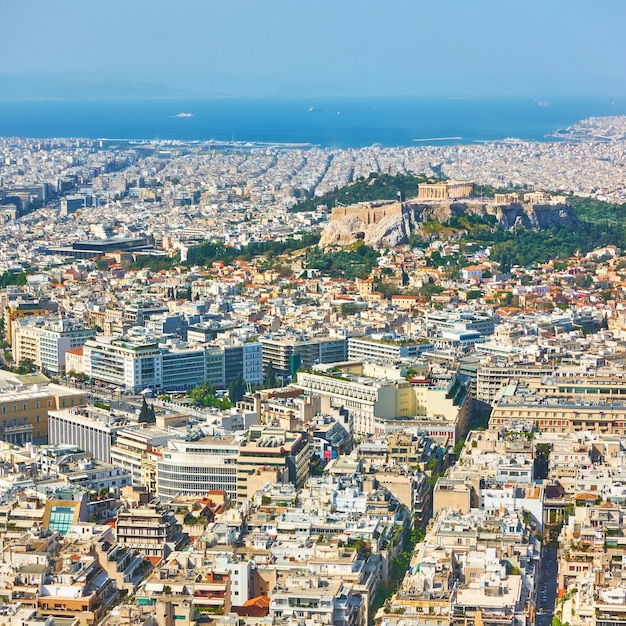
(446, 190)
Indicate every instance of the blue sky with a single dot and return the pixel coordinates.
(324, 47)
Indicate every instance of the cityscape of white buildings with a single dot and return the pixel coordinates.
(451, 460)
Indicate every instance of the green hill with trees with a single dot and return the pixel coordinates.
(596, 224)
(374, 187)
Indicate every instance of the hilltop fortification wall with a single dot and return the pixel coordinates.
(367, 212)
(384, 224)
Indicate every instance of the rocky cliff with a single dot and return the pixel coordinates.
(392, 223)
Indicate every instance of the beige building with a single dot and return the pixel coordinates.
(446, 190)
(24, 410)
(450, 493)
(559, 414)
(270, 448)
(380, 400)
(506, 198)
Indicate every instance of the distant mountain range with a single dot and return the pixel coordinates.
(42, 86)
(39, 86)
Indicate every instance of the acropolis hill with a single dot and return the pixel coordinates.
(391, 223)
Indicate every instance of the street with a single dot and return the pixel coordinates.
(547, 583)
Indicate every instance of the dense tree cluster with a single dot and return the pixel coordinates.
(593, 210)
(208, 251)
(374, 187)
(526, 247)
(12, 278)
(206, 395)
(355, 261)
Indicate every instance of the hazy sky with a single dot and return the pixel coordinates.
(325, 47)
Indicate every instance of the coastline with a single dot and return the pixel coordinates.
(389, 122)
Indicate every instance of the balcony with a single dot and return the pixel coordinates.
(18, 430)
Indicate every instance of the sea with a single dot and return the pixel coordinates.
(324, 122)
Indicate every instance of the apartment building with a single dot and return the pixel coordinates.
(377, 396)
(152, 529)
(287, 354)
(460, 322)
(129, 364)
(192, 468)
(131, 448)
(492, 377)
(187, 368)
(317, 600)
(559, 415)
(387, 348)
(271, 448)
(137, 364)
(45, 341)
(245, 358)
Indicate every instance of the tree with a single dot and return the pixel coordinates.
(26, 367)
(146, 413)
(270, 381)
(542, 458)
(237, 388)
(205, 395)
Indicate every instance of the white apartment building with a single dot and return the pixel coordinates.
(192, 468)
(385, 348)
(375, 396)
(460, 322)
(44, 341)
(364, 398)
(287, 353)
(132, 445)
(241, 582)
(138, 365)
(127, 364)
(318, 601)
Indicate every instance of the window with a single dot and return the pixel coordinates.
(37, 405)
(61, 518)
(38, 419)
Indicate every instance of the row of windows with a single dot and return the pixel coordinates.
(24, 421)
(25, 406)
